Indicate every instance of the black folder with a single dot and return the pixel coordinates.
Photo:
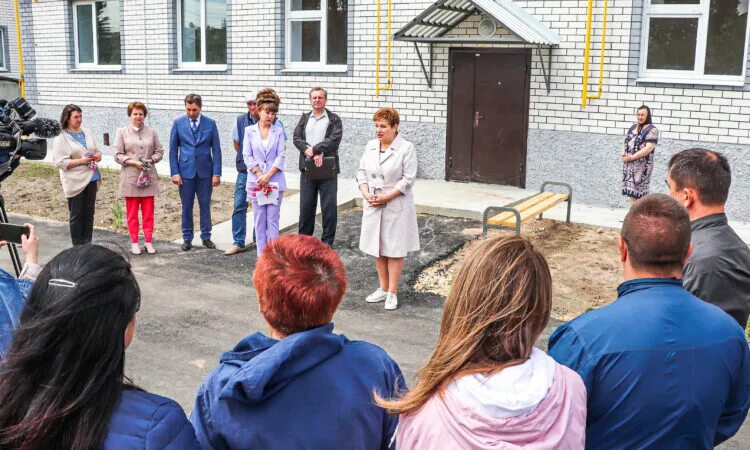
(324, 172)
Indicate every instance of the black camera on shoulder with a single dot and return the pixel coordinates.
(17, 125)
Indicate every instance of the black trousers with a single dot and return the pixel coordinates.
(309, 190)
(81, 208)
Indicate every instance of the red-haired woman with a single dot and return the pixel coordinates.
(302, 385)
(135, 145)
(385, 177)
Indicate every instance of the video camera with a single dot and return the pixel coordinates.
(17, 124)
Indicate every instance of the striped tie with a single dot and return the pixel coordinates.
(193, 126)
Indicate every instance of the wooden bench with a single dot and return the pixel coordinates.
(511, 217)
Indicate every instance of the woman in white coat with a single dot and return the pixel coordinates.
(386, 177)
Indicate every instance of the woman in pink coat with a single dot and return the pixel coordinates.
(486, 386)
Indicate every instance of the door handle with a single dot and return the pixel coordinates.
(477, 118)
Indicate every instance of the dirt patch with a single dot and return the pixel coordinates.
(584, 262)
(34, 189)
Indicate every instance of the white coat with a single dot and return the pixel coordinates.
(390, 230)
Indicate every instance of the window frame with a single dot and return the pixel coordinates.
(199, 65)
(4, 56)
(95, 65)
(321, 16)
(700, 11)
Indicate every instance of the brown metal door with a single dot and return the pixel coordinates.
(488, 116)
(460, 116)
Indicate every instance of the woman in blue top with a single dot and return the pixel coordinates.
(62, 385)
(75, 153)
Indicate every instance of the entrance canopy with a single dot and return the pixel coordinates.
(444, 15)
(432, 25)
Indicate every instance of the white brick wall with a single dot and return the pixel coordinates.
(711, 114)
(7, 22)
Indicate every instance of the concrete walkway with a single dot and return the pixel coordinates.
(450, 199)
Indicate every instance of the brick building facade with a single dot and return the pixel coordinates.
(268, 45)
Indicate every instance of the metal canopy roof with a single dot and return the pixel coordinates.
(444, 15)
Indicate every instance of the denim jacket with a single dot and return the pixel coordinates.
(13, 295)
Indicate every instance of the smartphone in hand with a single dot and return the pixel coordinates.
(12, 233)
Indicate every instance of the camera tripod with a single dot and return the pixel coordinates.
(17, 266)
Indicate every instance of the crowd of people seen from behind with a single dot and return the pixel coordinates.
(665, 365)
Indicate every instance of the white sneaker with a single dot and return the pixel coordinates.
(150, 248)
(378, 296)
(135, 249)
(391, 301)
(234, 249)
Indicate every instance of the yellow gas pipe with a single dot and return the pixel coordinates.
(585, 96)
(389, 82)
(21, 81)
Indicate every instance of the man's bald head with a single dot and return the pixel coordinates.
(657, 233)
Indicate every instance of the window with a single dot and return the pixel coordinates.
(694, 41)
(3, 50)
(316, 35)
(198, 48)
(97, 34)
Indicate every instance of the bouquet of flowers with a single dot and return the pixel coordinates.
(267, 194)
(144, 179)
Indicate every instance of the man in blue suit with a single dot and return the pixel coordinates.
(195, 165)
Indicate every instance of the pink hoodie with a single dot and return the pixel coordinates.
(536, 405)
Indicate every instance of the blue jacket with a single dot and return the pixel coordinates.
(662, 368)
(148, 421)
(13, 294)
(196, 155)
(243, 121)
(312, 390)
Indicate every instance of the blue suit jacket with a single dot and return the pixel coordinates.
(194, 156)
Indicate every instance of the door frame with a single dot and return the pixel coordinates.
(449, 116)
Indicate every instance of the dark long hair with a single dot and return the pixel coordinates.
(64, 375)
(66, 112)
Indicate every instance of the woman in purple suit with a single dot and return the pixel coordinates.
(263, 150)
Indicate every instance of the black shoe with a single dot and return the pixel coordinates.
(187, 245)
(208, 244)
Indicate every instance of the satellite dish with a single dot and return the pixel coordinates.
(487, 28)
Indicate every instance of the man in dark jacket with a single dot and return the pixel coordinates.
(318, 135)
(239, 215)
(718, 271)
(662, 368)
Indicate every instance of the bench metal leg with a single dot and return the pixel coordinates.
(570, 195)
(491, 211)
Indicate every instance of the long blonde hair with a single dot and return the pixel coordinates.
(498, 306)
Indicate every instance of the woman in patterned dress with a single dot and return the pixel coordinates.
(638, 155)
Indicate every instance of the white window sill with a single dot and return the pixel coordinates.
(97, 69)
(316, 69)
(202, 68)
(699, 81)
